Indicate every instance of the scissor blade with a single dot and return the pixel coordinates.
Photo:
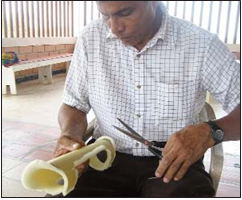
(129, 128)
(136, 137)
(146, 142)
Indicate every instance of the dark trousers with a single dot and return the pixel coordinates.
(131, 176)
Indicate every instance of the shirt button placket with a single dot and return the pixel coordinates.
(138, 65)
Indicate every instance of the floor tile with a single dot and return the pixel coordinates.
(30, 127)
(50, 147)
(14, 134)
(16, 150)
(16, 172)
(30, 193)
(37, 139)
(9, 163)
(50, 131)
(11, 188)
(39, 155)
(228, 190)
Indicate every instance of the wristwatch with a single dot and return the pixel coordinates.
(216, 132)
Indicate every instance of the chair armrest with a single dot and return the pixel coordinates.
(216, 165)
(89, 131)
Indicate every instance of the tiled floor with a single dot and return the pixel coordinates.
(30, 131)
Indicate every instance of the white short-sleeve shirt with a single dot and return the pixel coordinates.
(158, 90)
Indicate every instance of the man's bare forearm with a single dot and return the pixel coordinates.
(72, 121)
(231, 125)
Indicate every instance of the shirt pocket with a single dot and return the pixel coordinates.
(175, 100)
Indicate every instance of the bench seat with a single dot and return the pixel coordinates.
(45, 70)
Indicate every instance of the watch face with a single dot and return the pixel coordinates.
(219, 134)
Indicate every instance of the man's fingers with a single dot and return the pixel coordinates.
(70, 144)
(173, 169)
(164, 164)
(65, 145)
(60, 152)
(182, 170)
(178, 167)
(167, 147)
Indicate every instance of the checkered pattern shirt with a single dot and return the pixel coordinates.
(158, 90)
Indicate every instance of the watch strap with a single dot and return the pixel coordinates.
(214, 128)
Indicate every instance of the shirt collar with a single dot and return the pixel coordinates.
(162, 30)
(110, 35)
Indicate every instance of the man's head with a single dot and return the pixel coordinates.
(133, 22)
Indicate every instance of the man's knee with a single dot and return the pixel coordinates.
(157, 188)
(195, 183)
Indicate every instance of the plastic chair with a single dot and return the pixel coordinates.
(217, 156)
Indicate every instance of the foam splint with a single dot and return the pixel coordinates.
(46, 176)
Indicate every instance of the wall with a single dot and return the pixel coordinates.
(37, 48)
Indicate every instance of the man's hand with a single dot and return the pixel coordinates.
(65, 144)
(184, 148)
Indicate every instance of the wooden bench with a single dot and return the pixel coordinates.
(45, 70)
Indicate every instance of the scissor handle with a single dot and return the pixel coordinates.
(159, 144)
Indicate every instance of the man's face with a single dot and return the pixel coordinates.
(131, 21)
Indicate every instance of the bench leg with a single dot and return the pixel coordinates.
(4, 89)
(41, 75)
(4, 80)
(67, 66)
(8, 79)
(45, 72)
(13, 88)
(48, 73)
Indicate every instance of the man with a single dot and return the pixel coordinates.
(152, 71)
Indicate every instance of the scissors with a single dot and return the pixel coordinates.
(153, 146)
